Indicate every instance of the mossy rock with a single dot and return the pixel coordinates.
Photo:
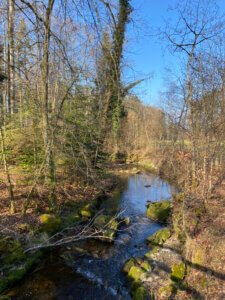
(24, 228)
(49, 223)
(135, 273)
(147, 266)
(11, 250)
(158, 238)
(88, 211)
(141, 294)
(178, 272)
(109, 225)
(152, 252)
(109, 235)
(130, 263)
(159, 211)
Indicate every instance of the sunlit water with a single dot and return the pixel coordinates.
(102, 277)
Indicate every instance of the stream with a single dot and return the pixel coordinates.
(98, 275)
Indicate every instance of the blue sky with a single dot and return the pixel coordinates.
(148, 54)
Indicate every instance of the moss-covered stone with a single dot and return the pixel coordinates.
(147, 266)
(135, 273)
(109, 226)
(154, 250)
(178, 272)
(159, 211)
(87, 211)
(109, 235)
(49, 223)
(141, 294)
(10, 250)
(158, 238)
(130, 263)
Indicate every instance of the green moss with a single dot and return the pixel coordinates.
(32, 259)
(159, 237)
(178, 272)
(5, 297)
(109, 235)
(49, 223)
(110, 226)
(141, 294)
(154, 250)
(24, 228)
(11, 250)
(15, 275)
(16, 255)
(147, 266)
(159, 211)
(87, 211)
(130, 263)
(135, 273)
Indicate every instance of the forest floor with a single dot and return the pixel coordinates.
(68, 195)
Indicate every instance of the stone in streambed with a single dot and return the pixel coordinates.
(159, 211)
(130, 263)
(159, 237)
(135, 273)
(109, 235)
(49, 223)
(108, 225)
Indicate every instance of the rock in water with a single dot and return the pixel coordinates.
(159, 211)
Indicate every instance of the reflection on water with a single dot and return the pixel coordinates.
(99, 275)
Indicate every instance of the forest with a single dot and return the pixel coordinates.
(71, 121)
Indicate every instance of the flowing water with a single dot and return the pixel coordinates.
(99, 275)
